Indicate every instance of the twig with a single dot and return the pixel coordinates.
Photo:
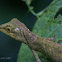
(36, 56)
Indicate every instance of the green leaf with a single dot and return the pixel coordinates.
(45, 26)
(59, 19)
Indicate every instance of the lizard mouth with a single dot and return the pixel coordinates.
(12, 35)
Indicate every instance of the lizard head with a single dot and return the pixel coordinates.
(14, 29)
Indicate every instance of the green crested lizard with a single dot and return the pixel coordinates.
(19, 31)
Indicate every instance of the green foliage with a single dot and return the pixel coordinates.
(45, 26)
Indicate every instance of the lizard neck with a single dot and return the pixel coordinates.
(30, 38)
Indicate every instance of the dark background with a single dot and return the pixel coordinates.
(10, 9)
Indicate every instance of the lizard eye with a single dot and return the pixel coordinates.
(8, 29)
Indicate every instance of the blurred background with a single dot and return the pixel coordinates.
(10, 9)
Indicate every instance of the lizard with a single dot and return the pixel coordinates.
(17, 30)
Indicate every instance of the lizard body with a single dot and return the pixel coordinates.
(19, 31)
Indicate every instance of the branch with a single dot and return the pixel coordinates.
(36, 56)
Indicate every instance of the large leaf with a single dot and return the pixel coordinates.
(45, 26)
